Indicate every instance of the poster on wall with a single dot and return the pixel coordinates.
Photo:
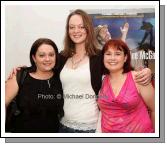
(135, 26)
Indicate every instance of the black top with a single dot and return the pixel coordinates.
(41, 105)
(96, 70)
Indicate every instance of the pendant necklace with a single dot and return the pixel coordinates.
(75, 64)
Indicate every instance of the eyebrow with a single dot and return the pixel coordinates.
(116, 50)
(76, 25)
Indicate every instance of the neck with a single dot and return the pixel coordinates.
(116, 75)
(43, 74)
(80, 49)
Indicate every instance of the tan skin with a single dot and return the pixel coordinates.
(143, 76)
(45, 61)
(114, 60)
(78, 34)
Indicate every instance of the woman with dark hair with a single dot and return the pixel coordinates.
(81, 75)
(124, 104)
(40, 98)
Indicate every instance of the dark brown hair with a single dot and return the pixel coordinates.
(91, 42)
(35, 47)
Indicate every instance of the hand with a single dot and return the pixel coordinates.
(143, 77)
(124, 31)
(125, 28)
(14, 72)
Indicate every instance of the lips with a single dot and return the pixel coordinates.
(47, 64)
(112, 63)
(77, 36)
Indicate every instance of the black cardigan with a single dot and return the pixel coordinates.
(95, 70)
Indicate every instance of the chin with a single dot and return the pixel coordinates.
(47, 69)
(78, 42)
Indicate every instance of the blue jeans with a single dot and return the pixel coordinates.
(65, 129)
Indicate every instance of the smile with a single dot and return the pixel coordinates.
(47, 64)
(77, 36)
(112, 63)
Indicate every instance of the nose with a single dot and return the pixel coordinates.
(112, 57)
(47, 58)
(76, 29)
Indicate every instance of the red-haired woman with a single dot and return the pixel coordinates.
(123, 103)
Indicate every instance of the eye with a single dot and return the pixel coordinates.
(117, 53)
(41, 55)
(52, 54)
(107, 53)
(82, 27)
(71, 27)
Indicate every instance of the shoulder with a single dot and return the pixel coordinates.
(22, 74)
(11, 80)
(11, 84)
(62, 60)
(139, 87)
(97, 56)
(133, 73)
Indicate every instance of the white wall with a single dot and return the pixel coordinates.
(26, 23)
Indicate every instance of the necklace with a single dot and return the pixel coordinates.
(75, 64)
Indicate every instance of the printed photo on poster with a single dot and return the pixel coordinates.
(134, 26)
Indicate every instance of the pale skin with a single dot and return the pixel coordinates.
(124, 31)
(148, 94)
(76, 29)
(113, 61)
(78, 35)
(44, 60)
(143, 76)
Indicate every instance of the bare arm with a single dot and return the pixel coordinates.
(124, 31)
(14, 71)
(148, 94)
(143, 77)
(11, 90)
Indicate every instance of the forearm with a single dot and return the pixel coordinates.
(123, 37)
(152, 115)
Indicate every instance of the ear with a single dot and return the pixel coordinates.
(33, 57)
(125, 58)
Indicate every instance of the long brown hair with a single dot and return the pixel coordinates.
(91, 42)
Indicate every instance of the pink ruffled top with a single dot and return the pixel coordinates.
(125, 113)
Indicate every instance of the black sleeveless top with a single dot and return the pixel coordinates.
(41, 104)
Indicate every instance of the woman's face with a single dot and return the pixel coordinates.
(77, 31)
(114, 59)
(45, 58)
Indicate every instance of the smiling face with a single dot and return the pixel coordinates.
(77, 31)
(114, 59)
(45, 58)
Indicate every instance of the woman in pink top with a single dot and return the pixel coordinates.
(126, 107)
